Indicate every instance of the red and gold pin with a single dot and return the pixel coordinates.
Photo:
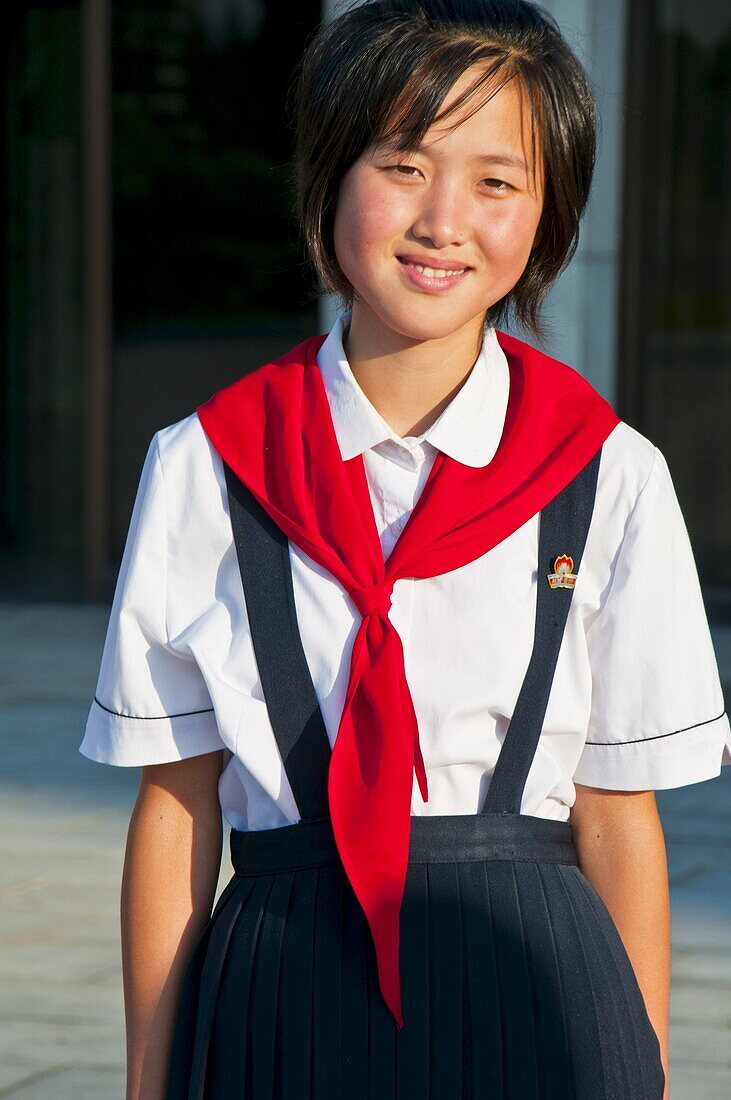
(563, 575)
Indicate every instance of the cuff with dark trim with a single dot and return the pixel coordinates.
(675, 759)
(132, 741)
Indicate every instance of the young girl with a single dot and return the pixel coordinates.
(419, 613)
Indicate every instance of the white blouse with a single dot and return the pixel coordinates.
(636, 701)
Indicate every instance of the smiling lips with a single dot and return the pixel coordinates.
(447, 275)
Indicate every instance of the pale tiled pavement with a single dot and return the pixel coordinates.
(63, 823)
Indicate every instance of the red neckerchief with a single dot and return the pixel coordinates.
(274, 429)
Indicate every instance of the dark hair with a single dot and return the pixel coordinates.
(380, 71)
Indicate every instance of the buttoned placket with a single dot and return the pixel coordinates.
(396, 471)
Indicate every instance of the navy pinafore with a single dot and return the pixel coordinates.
(515, 982)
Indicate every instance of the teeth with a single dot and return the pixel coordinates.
(432, 273)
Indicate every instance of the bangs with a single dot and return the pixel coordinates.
(417, 105)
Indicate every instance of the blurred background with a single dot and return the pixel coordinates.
(150, 254)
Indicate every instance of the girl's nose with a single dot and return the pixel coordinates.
(442, 218)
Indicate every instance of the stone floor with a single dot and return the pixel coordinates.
(63, 823)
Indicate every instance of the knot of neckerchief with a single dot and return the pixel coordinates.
(374, 599)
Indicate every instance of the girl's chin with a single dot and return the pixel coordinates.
(427, 320)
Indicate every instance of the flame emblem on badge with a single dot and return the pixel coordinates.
(563, 575)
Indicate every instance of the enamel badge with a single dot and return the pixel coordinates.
(563, 575)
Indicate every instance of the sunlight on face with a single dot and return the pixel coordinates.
(465, 196)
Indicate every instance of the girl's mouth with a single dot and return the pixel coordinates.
(429, 278)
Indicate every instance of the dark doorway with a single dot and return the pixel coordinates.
(207, 272)
(675, 347)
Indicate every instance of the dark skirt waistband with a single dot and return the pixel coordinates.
(433, 839)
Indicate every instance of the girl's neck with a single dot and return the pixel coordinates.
(410, 382)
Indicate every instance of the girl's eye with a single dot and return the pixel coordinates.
(500, 186)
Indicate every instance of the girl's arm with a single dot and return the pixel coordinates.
(621, 849)
(171, 867)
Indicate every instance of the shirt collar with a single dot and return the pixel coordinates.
(468, 429)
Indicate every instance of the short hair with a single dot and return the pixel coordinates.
(380, 72)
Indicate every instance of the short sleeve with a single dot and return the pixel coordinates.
(657, 716)
(151, 703)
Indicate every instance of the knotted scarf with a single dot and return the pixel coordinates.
(274, 429)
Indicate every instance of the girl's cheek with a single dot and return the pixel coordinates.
(382, 212)
(356, 235)
(371, 230)
(512, 231)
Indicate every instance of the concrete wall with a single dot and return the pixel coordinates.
(582, 306)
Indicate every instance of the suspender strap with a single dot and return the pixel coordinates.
(564, 526)
(263, 554)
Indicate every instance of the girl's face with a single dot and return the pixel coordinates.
(465, 198)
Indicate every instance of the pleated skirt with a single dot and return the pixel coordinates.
(515, 981)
